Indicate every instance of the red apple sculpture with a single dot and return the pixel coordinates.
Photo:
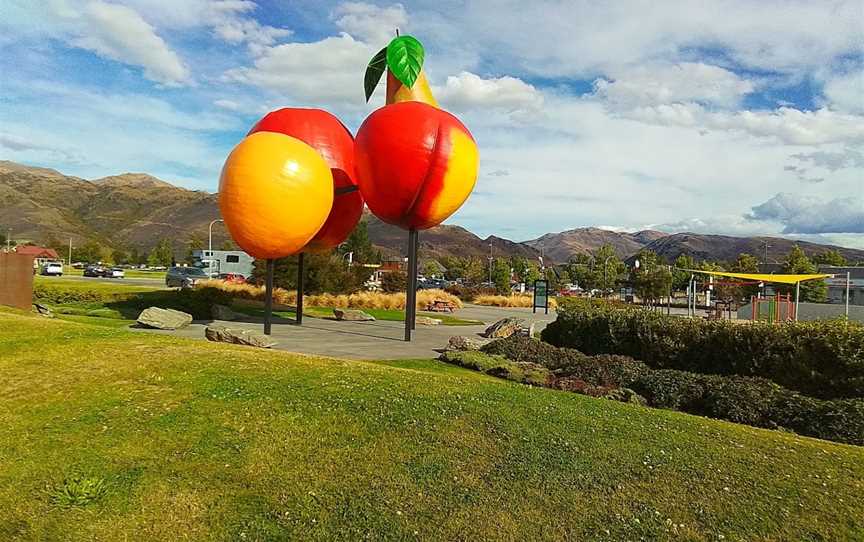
(325, 133)
(416, 164)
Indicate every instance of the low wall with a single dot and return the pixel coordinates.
(16, 280)
(814, 311)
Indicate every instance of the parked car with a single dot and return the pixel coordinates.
(94, 271)
(184, 277)
(115, 273)
(53, 269)
(233, 278)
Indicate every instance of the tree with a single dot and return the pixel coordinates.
(324, 272)
(394, 281)
(797, 263)
(579, 270)
(501, 276)
(830, 257)
(607, 267)
(119, 255)
(432, 268)
(195, 243)
(89, 252)
(652, 279)
(162, 254)
(680, 275)
(476, 271)
(358, 243)
(455, 267)
(747, 263)
(228, 244)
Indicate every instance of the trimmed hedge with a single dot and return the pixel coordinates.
(121, 304)
(823, 359)
(748, 400)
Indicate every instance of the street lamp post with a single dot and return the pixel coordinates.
(210, 247)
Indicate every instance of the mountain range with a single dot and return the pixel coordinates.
(137, 210)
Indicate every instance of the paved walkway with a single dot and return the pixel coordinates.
(371, 340)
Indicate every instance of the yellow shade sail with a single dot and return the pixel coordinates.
(764, 277)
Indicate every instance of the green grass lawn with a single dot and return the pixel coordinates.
(101, 286)
(379, 314)
(111, 434)
(130, 273)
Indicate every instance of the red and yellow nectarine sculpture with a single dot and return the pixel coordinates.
(416, 163)
(275, 194)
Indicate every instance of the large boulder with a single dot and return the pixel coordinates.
(246, 337)
(463, 342)
(504, 328)
(427, 321)
(159, 318)
(42, 310)
(221, 312)
(353, 315)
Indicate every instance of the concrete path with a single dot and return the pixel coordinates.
(370, 340)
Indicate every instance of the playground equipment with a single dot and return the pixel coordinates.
(765, 277)
(774, 309)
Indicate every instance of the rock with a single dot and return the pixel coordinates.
(221, 312)
(42, 310)
(463, 342)
(427, 321)
(159, 318)
(503, 328)
(246, 337)
(353, 315)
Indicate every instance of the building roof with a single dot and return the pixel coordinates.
(37, 252)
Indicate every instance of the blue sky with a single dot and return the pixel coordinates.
(731, 117)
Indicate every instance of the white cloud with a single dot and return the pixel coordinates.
(120, 33)
(786, 124)
(585, 37)
(811, 214)
(370, 23)
(469, 91)
(230, 105)
(329, 71)
(667, 84)
(230, 20)
(846, 92)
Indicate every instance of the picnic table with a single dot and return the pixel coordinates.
(440, 306)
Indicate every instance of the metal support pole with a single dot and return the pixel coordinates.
(414, 274)
(300, 280)
(847, 295)
(268, 299)
(69, 262)
(411, 293)
(797, 298)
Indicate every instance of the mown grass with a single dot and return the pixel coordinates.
(112, 434)
(379, 314)
(130, 273)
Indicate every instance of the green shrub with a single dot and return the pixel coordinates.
(668, 388)
(604, 371)
(822, 359)
(748, 400)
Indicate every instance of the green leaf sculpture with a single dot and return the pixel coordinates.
(374, 71)
(405, 59)
(403, 56)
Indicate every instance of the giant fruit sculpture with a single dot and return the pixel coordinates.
(275, 194)
(416, 163)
